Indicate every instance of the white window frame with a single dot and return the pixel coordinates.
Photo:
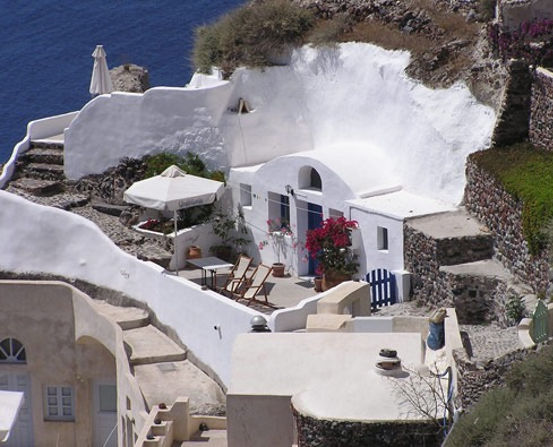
(59, 403)
(382, 239)
(245, 194)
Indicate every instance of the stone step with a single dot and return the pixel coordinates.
(39, 155)
(47, 144)
(478, 290)
(125, 317)
(460, 238)
(453, 251)
(43, 170)
(164, 382)
(149, 345)
(489, 268)
(38, 187)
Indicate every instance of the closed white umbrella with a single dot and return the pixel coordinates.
(100, 82)
(173, 190)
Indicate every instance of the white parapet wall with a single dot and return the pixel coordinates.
(45, 240)
(36, 130)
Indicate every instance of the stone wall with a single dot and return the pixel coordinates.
(130, 78)
(514, 12)
(478, 299)
(420, 254)
(541, 111)
(486, 199)
(322, 433)
(475, 379)
(512, 121)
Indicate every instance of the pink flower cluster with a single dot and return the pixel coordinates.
(332, 233)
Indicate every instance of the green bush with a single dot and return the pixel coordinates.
(517, 414)
(514, 308)
(250, 35)
(190, 163)
(329, 32)
(527, 174)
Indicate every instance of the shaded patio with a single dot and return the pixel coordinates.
(282, 293)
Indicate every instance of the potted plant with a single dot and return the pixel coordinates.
(225, 227)
(277, 229)
(330, 246)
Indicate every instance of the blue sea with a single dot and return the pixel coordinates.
(46, 47)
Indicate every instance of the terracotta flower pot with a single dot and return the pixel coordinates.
(331, 279)
(278, 269)
(318, 283)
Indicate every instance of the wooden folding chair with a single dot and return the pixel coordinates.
(253, 285)
(237, 275)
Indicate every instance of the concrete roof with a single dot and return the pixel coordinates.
(364, 167)
(402, 204)
(334, 372)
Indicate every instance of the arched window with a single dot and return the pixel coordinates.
(315, 180)
(309, 178)
(12, 351)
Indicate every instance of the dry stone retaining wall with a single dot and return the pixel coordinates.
(473, 380)
(541, 111)
(486, 199)
(322, 433)
(512, 122)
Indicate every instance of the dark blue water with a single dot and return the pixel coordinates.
(46, 47)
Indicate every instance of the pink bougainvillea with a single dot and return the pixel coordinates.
(329, 244)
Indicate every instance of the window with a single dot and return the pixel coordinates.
(12, 351)
(315, 180)
(59, 403)
(245, 194)
(108, 398)
(309, 178)
(381, 238)
(285, 210)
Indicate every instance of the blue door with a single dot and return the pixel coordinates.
(314, 219)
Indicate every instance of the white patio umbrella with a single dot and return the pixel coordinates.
(100, 82)
(173, 190)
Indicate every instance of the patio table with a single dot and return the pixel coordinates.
(211, 264)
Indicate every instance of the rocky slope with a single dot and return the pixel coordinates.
(447, 38)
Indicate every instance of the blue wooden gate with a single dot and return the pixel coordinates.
(383, 288)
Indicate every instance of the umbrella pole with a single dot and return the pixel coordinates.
(175, 243)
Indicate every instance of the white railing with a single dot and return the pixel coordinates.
(37, 129)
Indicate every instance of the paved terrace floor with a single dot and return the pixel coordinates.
(281, 292)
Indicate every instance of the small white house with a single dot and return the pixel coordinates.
(354, 181)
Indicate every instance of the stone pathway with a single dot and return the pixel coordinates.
(489, 342)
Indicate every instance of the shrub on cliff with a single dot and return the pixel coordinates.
(191, 163)
(250, 35)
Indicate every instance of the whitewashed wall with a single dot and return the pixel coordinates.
(119, 125)
(51, 241)
(349, 95)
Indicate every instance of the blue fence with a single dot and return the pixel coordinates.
(383, 288)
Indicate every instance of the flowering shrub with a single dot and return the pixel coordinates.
(279, 226)
(329, 244)
(532, 41)
(150, 224)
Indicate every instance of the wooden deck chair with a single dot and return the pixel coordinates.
(237, 275)
(253, 285)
